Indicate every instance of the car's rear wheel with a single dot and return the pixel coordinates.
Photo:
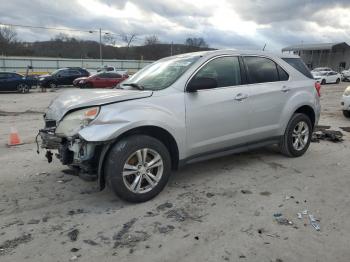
(137, 168)
(297, 137)
(346, 113)
(23, 88)
(323, 82)
(338, 81)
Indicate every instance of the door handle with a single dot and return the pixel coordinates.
(285, 89)
(241, 97)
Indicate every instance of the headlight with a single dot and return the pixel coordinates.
(347, 91)
(73, 122)
(41, 79)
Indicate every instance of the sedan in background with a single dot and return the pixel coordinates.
(345, 75)
(345, 102)
(100, 80)
(321, 69)
(64, 76)
(13, 82)
(326, 77)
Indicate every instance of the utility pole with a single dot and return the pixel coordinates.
(171, 48)
(101, 47)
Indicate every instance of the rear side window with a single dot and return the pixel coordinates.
(282, 74)
(261, 69)
(225, 70)
(299, 65)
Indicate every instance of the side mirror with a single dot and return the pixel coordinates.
(201, 83)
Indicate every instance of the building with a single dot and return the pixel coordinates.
(333, 55)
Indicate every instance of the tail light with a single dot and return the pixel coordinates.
(318, 88)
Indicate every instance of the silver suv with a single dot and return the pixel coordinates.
(180, 110)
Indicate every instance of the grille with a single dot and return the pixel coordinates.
(50, 123)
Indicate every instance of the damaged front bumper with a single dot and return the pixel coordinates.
(72, 151)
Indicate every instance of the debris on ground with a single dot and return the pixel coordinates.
(244, 191)
(345, 128)
(74, 249)
(73, 235)
(90, 242)
(166, 229)
(10, 245)
(283, 221)
(126, 227)
(164, 206)
(321, 128)
(328, 135)
(76, 211)
(265, 193)
(33, 221)
(313, 221)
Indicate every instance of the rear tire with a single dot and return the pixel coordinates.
(295, 143)
(338, 81)
(129, 169)
(87, 85)
(346, 113)
(23, 88)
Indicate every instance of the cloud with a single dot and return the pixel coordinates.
(222, 23)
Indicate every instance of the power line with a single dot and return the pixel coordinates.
(50, 28)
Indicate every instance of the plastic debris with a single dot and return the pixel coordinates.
(283, 221)
(314, 223)
(305, 212)
(277, 214)
(329, 135)
(300, 215)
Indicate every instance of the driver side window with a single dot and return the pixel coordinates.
(224, 70)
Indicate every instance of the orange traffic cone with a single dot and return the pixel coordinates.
(14, 139)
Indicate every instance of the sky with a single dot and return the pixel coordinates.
(241, 24)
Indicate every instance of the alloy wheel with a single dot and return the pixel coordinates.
(300, 136)
(143, 170)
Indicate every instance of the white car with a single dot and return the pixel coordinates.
(345, 75)
(345, 102)
(321, 69)
(324, 77)
(112, 69)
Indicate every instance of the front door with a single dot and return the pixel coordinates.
(217, 118)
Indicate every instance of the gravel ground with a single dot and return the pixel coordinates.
(218, 210)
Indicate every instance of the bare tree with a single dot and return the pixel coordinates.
(128, 38)
(196, 42)
(109, 39)
(8, 35)
(151, 40)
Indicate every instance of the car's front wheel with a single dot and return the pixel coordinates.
(297, 137)
(52, 85)
(338, 81)
(323, 82)
(346, 113)
(137, 168)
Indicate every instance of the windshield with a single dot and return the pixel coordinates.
(56, 71)
(162, 74)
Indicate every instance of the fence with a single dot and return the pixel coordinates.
(46, 65)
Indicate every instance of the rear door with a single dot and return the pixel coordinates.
(217, 118)
(270, 91)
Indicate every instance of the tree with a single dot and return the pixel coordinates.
(151, 40)
(196, 42)
(8, 35)
(128, 38)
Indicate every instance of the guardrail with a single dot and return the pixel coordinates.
(46, 65)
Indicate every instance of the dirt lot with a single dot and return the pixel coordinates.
(219, 210)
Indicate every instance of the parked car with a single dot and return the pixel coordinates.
(180, 110)
(345, 102)
(327, 77)
(345, 74)
(100, 80)
(63, 76)
(13, 82)
(321, 69)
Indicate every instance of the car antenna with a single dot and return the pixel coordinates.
(264, 47)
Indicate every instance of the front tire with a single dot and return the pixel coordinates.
(297, 137)
(52, 85)
(323, 82)
(137, 168)
(346, 113)
(338, 81)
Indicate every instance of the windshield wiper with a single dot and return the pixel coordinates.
(135, 85)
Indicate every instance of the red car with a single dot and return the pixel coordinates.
(100, 80)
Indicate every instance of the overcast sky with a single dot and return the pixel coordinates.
(244, 24)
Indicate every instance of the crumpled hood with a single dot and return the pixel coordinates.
(74, 99)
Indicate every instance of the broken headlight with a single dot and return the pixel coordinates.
(73, 122)
(347, 91)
